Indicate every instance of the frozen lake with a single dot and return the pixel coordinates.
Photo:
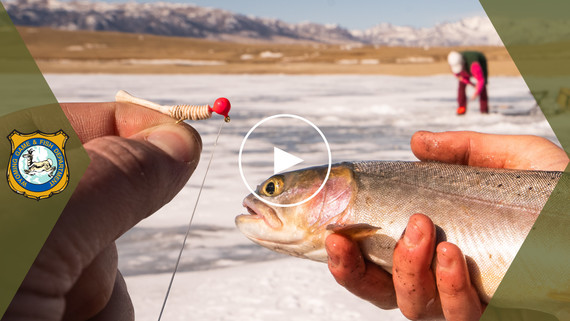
(223, 276)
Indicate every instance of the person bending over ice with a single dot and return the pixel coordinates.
(464, 65)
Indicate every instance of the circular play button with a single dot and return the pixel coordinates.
(278, 144)
(283, 161)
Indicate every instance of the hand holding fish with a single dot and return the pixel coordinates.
(413, 286)
(140, 159)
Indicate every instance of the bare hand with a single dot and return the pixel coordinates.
(413, 286)
(523, 152)
(140, 159)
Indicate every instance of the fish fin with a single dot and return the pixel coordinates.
(354, 231)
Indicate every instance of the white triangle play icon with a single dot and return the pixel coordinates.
(283, 160)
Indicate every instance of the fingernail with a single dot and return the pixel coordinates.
(175, 140)
(334, 259)
(443, 260)
(413, 236)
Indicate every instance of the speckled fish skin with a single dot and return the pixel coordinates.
(486, 212)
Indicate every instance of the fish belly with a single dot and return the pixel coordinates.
(486, 212)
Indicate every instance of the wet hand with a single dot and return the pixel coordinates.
(414, 286)
(140, 159)
(523, 152)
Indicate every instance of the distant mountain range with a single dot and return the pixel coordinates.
(186, 20)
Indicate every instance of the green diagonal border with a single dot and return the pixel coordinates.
(537, 37)
(27, 105)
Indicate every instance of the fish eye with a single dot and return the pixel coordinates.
(270, 188)
(273, 186)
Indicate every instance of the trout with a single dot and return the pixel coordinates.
(486, 212)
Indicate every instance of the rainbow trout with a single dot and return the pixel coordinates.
(486, 212)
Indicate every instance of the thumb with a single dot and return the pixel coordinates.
(127, 180)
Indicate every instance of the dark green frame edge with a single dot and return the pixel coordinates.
(27, 105)
(533, 33)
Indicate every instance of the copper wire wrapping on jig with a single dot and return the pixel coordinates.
(192, 112)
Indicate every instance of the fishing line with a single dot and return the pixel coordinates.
(189, 225)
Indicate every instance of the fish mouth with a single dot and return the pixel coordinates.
(258, 210)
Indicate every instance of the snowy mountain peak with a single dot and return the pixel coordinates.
(188, 20)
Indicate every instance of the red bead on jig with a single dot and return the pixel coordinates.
(222, 106)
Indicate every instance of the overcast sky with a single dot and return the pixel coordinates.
(351, 14)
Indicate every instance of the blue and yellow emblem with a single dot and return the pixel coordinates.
(38, 166)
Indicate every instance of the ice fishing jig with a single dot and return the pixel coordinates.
(180, 112)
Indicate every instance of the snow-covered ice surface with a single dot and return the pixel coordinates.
(222, 275)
